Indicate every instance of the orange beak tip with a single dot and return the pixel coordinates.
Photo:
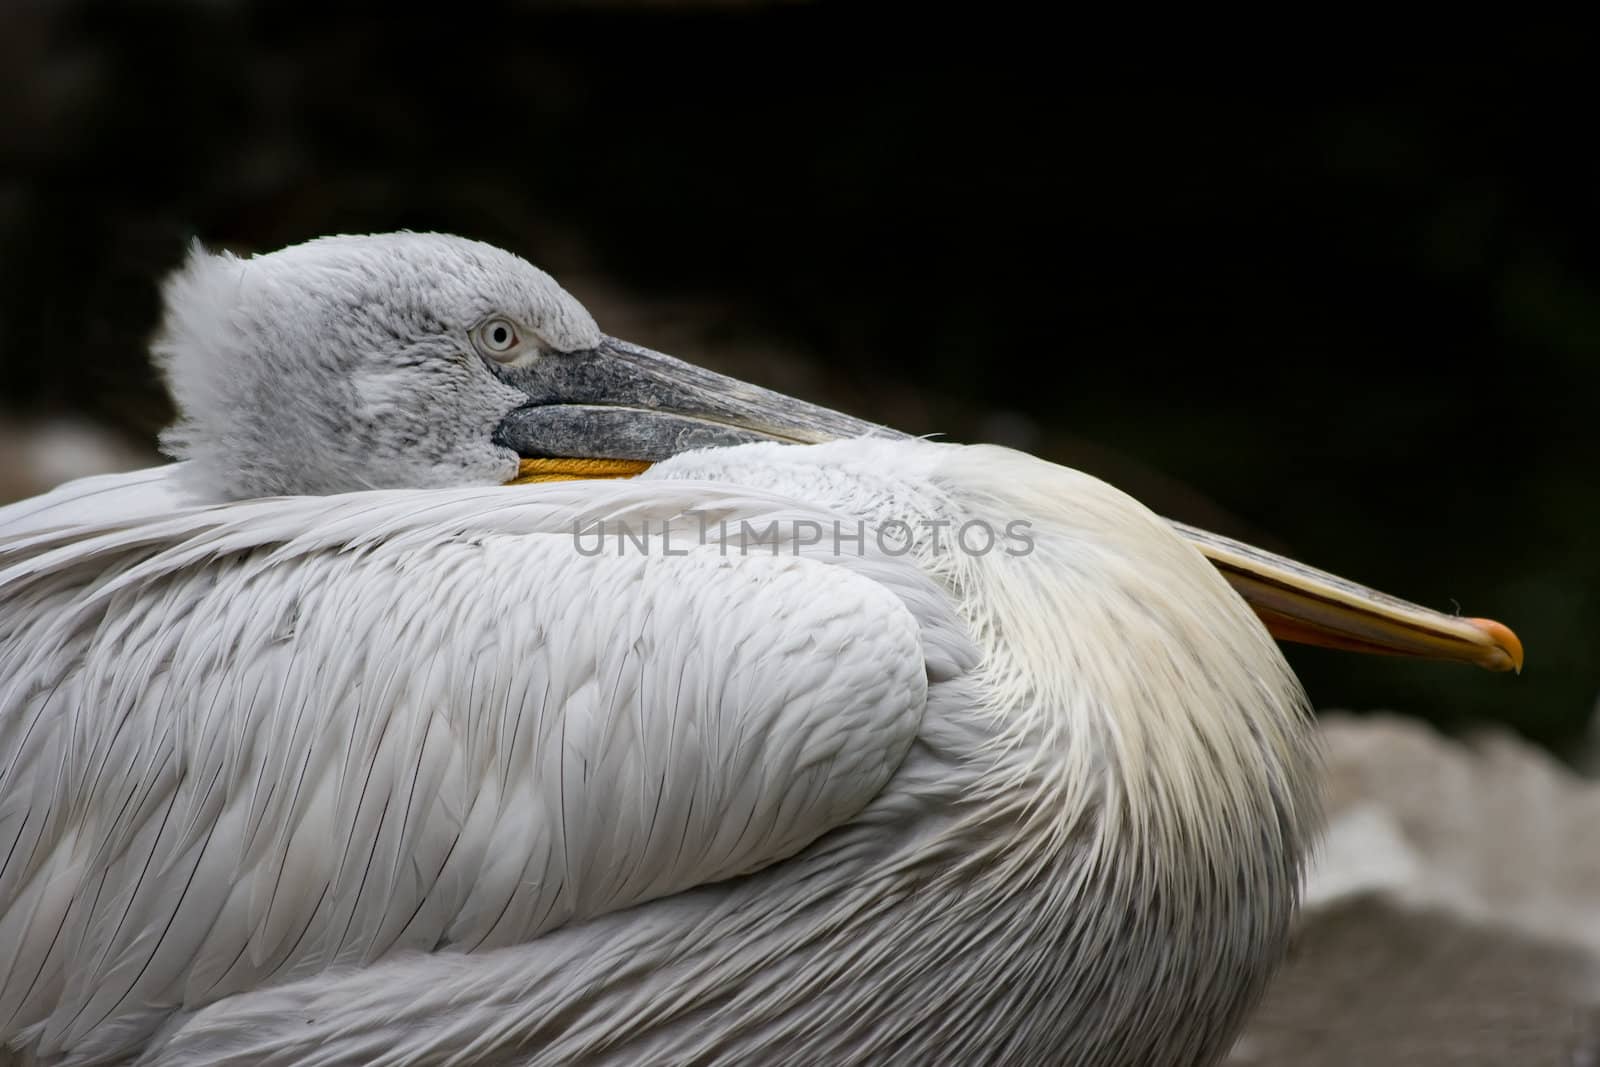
(1505, 643)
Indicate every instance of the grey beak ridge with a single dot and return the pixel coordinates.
(620, 401)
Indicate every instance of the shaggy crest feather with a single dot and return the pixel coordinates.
(346, 363)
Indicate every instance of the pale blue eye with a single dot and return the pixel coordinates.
(497, 337)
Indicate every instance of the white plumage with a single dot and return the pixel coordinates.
(407, 776)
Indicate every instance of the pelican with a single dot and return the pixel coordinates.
(477, 688)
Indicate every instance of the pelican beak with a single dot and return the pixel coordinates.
(613, 410)
(1308, 606)
(625, 403)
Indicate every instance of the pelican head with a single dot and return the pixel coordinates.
(301, 371)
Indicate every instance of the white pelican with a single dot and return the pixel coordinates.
(322, 746)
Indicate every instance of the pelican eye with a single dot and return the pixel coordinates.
(498, 339)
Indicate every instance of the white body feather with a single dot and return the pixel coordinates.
(404, 777)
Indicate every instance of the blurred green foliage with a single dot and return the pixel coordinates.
(1344, 294)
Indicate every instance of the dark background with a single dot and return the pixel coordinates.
(1338, 294)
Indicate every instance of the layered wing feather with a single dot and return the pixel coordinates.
(241, 744)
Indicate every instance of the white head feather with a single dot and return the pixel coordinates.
(347, 363)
